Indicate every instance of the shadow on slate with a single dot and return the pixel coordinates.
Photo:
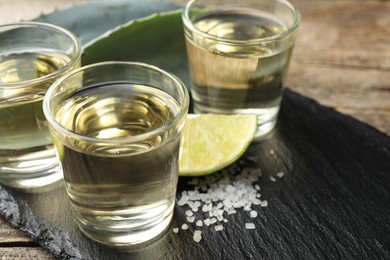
(333, 202)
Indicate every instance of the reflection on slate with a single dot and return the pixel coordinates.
(332, 203)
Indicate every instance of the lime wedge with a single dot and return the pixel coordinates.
(211, 142)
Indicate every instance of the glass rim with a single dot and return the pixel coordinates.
(291, 29)
(48, 112)
(76, 57)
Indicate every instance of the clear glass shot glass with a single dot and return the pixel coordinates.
(32, 56)
(238, 54)
(116, 127)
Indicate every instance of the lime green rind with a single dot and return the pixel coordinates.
(234, 158)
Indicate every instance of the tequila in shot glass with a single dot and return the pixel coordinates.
(32, 57)
(238, 54)
(116, 127)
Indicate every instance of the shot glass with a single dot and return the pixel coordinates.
(32, 56)
(116, 127)
(238, 55)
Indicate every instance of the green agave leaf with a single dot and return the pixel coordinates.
(90, 20)
(157, 40)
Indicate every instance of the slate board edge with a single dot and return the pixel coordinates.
(43, 232)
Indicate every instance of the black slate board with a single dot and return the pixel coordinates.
(333, 202)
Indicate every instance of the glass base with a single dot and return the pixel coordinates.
(265, 130)
(48, 181)
(126, 238)
(31, 171)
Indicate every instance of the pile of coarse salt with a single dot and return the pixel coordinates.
(221, 194)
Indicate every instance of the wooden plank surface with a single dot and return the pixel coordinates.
(14, 244)
(24, 253)
(341, 59)
(8, 234)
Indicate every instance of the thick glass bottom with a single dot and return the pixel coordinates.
(30, 171)
(122, 235)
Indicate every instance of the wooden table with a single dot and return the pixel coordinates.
(341, 59)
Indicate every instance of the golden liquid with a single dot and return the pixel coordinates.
(24, 135)
(126, 185)
(238, 78)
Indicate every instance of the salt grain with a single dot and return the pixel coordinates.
(230, 189)
(176, 230)
(184, 226)
(280, 174)
(197, 236)
(253, 214)
(183, 200)
(256, 202)
(272, 178)
(221, 194)
(198, 232)
(250, 226)
(231, 211)
(199, 223)
(218, 228)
